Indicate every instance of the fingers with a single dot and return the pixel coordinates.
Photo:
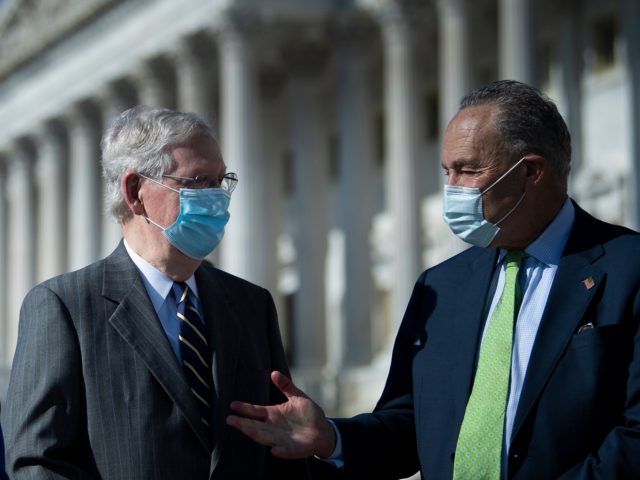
(285, 385)
(247, 410)
(252, 429)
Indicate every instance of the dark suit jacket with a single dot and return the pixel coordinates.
(97, 392)
(3, 475)
(579, 412)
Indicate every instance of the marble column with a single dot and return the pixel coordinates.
(310, 172)
(193, 83)
(453, 55)
(401, 153)
(355, 152)
(4, 274)
(51, 178)
(152, 90)
(112, 104)
(21, 204)
(85, 206)
(243, 251)
(631, 27)
(515, 40)
(570, 62)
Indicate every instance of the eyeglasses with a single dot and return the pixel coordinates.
(227, 182)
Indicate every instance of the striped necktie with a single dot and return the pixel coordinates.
(479, 449)
(194, 348)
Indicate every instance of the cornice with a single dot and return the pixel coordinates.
(28, 27)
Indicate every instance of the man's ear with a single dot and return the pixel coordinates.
(131, 190)
(536, 166)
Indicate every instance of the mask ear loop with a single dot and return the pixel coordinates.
(146, 217)
(512, 210)
(500, 178)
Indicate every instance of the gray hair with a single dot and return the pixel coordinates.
(527, 122)
(139, 140)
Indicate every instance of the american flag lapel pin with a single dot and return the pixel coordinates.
(589, 283)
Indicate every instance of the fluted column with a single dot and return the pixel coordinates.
(85, 206)
(453, 57)
(516, 40)
(570, 62)
(51, 175)
(112, 104)
(22, 236)
(310, 184)
(243, 253)
(4, 274)
(631, 16)
(355, 153)
(401, 145)
(152, 89)
(193, 83)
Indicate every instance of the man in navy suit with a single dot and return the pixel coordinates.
(571, 403)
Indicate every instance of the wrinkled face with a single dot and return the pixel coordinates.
(470, 159)
(198, 158)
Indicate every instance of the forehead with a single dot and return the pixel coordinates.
(470, 136)
(200, 153)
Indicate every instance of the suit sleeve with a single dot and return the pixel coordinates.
(382, 444)
(619, 454)
(43, 412)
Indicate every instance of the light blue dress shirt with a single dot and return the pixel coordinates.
(536, 277)
(159, 287)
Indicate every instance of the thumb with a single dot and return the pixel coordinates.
(285, 385)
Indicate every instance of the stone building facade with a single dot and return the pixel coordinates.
(330, 111)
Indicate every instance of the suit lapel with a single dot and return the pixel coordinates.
(137, 323)
(224, 337)
(473, 286)
(568, 301)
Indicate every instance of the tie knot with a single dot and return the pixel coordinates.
(180, 290)
(514, 258)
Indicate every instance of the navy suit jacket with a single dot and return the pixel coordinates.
(579, 412)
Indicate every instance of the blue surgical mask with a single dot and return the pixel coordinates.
(463, 212)
(199, 227)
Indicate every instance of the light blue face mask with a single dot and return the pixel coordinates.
(463, 212)
(199, 227)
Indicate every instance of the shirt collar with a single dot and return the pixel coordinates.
(158, 284)
(548, 247)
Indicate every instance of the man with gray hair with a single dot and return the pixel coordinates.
(519, 358)
(125, 369)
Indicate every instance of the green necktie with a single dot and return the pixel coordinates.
(479, 450)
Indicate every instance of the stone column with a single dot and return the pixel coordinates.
(570, 61)
(516, 40)
(22, 236)
(243, 252)
(51, 177)
(193, 83)
(112, 104)
(310, 172)
(152, 90)
(5, 281)
(401, 152)
(453, 57)
(85, 206)
(631, 16)
(355, 152)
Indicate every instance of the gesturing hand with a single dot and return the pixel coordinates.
(297, 428)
